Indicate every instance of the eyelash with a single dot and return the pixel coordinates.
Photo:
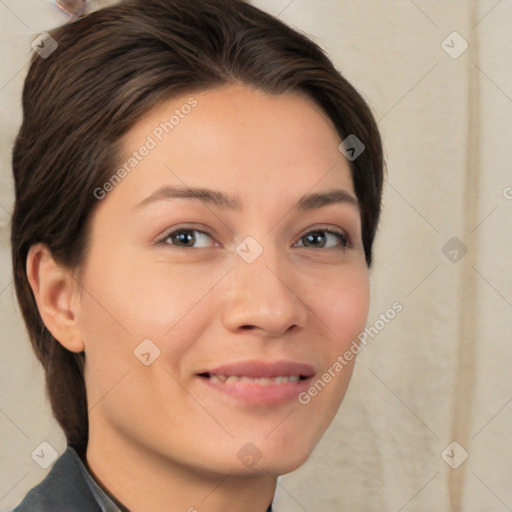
(342, 237)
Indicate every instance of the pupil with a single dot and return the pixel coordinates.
(313, 236)
(184, 236)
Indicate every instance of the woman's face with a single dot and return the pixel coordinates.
(205, 319)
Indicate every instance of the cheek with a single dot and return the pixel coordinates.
(123, 304)
(148, 296)
(344, 307)
(343, 310)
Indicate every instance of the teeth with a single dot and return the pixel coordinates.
(218, 378)
(263, 381)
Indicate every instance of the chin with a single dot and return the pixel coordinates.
(289, 464)
(275, 460)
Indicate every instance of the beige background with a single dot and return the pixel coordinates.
(440, 371)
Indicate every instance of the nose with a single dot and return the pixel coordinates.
(264, 296)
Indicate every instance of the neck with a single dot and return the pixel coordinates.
(141, 479)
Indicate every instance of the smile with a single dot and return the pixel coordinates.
(260, 383)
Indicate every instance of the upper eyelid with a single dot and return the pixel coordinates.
(334, 231)
(169, 231)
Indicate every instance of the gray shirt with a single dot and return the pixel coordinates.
(69, 487)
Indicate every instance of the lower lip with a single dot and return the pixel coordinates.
(259, 394)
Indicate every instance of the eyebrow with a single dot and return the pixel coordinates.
(309, 201)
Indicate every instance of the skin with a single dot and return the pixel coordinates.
(160, 439)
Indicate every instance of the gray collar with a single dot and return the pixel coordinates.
(105, 502)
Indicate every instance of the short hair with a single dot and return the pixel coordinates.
(109, 69)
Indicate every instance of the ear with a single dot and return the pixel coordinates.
(56, 293)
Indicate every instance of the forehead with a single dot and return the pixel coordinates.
(239, 139)
(250, 110)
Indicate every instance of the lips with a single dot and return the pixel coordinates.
(259, 382)
(261, 370)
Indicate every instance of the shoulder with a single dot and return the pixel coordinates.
(64, 488)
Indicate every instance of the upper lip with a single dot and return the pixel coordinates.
(262, 369)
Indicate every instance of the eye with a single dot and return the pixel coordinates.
(319, 239)
(315, 239)
(187, 237)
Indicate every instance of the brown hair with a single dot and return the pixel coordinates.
(110, 68)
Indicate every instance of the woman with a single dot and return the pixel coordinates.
(197, 195)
